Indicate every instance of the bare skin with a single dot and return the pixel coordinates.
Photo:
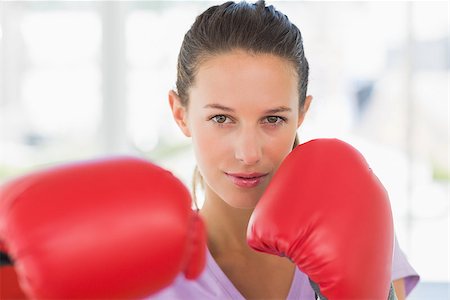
(242, 115)
(399, 287)
(241, 89)
(255, 275)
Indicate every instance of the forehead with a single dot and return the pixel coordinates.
(239, 78)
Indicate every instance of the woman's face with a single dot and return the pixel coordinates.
(242, 115)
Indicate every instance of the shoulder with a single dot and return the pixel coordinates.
(402, 269)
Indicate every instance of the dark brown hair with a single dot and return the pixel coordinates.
(256, 28)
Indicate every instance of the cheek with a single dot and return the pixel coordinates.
(280, 146)
(210, 149)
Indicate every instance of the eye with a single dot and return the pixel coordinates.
(272, 119)
(220, 119)
(275, 120)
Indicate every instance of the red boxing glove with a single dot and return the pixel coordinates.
(9, 285)
(113, 228)
(327, 212)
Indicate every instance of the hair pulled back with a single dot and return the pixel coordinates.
(252, 27)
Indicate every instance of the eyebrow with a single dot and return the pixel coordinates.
(270, 111)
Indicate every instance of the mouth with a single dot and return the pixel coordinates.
(247, 180)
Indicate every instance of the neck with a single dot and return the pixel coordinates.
(226, 225)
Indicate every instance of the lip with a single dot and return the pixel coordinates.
(247, 180)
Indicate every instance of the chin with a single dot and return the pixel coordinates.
(236, 197)
(242, 205)
(242, 200)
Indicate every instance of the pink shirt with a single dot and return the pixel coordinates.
(214, 284)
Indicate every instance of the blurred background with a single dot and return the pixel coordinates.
(80, 80)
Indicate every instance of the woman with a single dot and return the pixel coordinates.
(241, 96)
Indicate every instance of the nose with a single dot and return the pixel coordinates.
(248, 148)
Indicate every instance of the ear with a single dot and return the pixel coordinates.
(179, 112)
(304, 110)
